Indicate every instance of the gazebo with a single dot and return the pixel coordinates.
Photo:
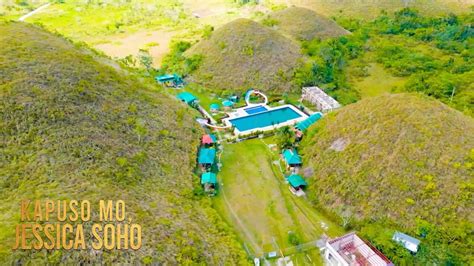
(206, 157)
(291, 157)
(227, 104)
(214, 107)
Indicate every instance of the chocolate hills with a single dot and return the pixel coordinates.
(305, 24)
(397, 162)
(244, 54)
(75, 128)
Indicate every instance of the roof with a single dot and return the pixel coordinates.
(303, 125)
(208, 178)
(227, 103)
(296, 181)
(291, 156)
(214, 106)
(405, 240)
(351, 247)
(206, 156)
(164, 78)
(316, 94)
(186, 97)
(208, 139)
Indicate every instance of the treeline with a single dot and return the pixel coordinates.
(434, 54)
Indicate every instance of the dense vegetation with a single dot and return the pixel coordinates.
(244, 54)
(434, 54)
(303, 24)
(398, 162)
(76, 126)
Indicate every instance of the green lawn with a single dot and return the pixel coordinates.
(256, 201)
(378, 82)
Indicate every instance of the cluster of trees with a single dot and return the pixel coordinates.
(434, 54)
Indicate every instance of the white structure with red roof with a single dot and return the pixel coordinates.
(351, 250)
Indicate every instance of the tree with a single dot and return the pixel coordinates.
(285, 137)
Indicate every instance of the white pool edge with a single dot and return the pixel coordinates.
(290, 122)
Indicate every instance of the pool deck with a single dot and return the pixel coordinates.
(238, 113)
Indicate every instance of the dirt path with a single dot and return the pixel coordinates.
(22, 18)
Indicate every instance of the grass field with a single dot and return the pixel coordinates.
(255, 199)
(378, 82)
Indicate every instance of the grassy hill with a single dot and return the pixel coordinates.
(75, 128)
(398, 162)
(305, 24)
(243, 54)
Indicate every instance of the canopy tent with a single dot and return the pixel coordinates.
(214, 106)
(208, 178)
(186, 97)
(291, 157)
(296, 181)
(206, 156)
(209, 139)
(303, 125)
(227, 103)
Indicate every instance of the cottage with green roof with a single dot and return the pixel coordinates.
(206, 157)
(297, 184)
(187, 98)
(291, 158)
(209, 182)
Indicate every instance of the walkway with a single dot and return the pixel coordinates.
(247, 97)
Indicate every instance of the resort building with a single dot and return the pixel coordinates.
(208, 139)
(206, 157)
(351, 250)
(407, 241)
(297, 184)
(188, 98)
(209, 181)
(291, 158)
(318, 97)
(305, 124)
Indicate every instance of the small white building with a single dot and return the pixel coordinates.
(318, 97)
(351, 250)
(407, 241)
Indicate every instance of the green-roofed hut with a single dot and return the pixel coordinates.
(296, 182)
(209, 178)
(187, 98)
(206, 157)
(291, 158)
(227, 104)
(170, 80)
(209, 182)
(303, 125)
(214, 107)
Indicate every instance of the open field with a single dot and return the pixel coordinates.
(254, 198)
(378, 82)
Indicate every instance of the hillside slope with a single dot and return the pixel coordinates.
(404, 161)
(305, 24)
(73, 128)
(243, 54)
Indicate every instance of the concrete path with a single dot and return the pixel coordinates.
(22, 18)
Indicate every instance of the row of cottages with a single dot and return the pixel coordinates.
(206, 159)
(320, 99)
(293, 162)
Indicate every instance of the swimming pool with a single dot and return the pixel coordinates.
(256, 109)
(265, 119)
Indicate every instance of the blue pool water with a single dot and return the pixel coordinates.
(264, 119)
(256, 109)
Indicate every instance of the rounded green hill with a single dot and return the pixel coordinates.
(401, 160)
(75, 128)
(305, 24)
(244, 54)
